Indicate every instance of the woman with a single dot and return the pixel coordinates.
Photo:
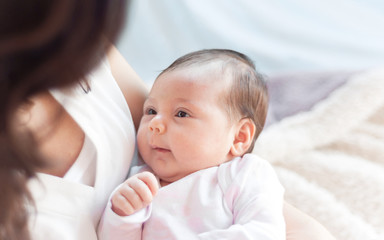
(67, 118)
(51, 45)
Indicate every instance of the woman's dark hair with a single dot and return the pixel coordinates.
(247, 96)
(44, 44)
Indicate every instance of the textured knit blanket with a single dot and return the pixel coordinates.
(330, 158)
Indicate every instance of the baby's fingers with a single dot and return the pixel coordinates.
(146, 186)
(134, 194)
(150, 180)
(121, 202)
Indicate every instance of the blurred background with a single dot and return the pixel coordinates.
(281, 36)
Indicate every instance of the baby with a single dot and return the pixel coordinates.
(200, 123)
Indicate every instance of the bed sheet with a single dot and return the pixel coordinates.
(325, 138)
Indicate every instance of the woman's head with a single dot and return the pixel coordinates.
(44, 44)
(53, 43)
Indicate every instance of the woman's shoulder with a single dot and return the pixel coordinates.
(133, 88)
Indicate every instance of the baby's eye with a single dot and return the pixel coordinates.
(150, 111)
(182, 114)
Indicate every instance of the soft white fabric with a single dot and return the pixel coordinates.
(240, 199)
(330, 158)
(70, 210)
(83, 169)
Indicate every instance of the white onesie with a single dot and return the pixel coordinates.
(240, 199)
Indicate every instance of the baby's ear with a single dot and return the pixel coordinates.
(243, 137)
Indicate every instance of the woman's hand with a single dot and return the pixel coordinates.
(300, 226)
(134, 194)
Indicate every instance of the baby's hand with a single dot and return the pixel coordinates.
(134, 194)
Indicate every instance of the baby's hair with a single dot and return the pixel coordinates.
(247, 96)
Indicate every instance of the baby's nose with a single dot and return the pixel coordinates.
(157, 125)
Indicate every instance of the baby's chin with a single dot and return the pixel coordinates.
(166, 180)
(164, 183)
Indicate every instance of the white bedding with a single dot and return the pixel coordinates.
(331, 158)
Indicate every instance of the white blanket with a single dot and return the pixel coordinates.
(330, 159)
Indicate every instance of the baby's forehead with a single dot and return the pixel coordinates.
(215, 70)
(192, 77)
(214, 73)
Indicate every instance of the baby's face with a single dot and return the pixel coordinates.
(184, 129)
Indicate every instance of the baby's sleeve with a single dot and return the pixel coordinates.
(255, 197)
(113, 226)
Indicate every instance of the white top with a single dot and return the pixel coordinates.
(240, 199)
(66, 208)
(83, 169)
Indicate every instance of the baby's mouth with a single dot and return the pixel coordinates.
(162, 150)
(159, 149)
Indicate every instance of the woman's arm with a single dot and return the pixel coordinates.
(300, 226)
(133, 88)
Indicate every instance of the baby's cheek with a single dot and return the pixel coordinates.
(141, 138)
